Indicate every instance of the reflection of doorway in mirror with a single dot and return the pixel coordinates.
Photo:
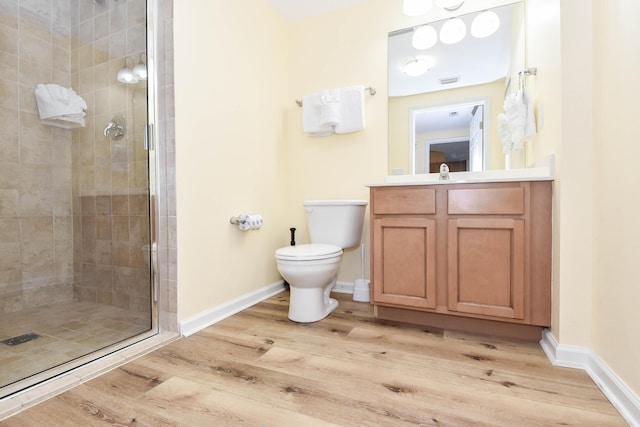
(454, 134)
(454, 152)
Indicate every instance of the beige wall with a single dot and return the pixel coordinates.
(593, 224)
(338, 49)
(588, 123)
(231, 155)
(616, 178)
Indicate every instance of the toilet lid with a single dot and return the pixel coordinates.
(308, 252)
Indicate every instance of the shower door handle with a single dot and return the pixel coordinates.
(149, 143)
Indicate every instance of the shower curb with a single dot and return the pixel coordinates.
(38, 393)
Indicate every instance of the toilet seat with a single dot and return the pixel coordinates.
(308, 252)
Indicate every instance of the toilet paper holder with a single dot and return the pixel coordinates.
(240, 219)
(247, 221)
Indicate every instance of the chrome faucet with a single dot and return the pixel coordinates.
(116, 128)
(110, 126)
(444, 172)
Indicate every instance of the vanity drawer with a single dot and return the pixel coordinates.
(403, 201)
(487, 201)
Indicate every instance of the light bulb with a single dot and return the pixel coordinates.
(417, 66)
(140, 71)
(485, 24)
(125, 75)
(424, 37)
(453, 31)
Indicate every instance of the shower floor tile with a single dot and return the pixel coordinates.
(67, 331)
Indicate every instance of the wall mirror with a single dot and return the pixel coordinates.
(444, 99)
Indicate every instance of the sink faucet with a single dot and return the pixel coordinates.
(444, 172)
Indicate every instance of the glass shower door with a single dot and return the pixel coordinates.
(75, 251)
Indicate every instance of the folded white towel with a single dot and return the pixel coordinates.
(311, 125)
(504, 133)
(330, 107)
(530, 128)
(59, 103)
(517, 125)
(63, 122)
(516, 113)
(352, 113)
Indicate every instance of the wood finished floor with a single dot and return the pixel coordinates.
(257, 368)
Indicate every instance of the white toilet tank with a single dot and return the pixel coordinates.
(335, 222)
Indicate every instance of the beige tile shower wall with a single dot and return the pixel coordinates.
(35, 161)
(166, 191)
(108, 261)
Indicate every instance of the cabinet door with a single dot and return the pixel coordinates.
(404, 262)
(486, 266)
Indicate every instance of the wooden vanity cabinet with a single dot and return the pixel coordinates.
(405, 253)
(480, 251)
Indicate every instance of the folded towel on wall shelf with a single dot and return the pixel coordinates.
(352, 113)
(59, 106)
(311, 116)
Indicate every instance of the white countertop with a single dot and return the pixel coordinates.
(542, 173)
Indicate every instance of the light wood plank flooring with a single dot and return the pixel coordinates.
(257, 368)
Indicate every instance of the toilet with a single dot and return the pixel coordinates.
(311, 269)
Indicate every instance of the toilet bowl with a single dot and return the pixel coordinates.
(311, 269)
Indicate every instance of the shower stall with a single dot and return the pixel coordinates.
(77, 184)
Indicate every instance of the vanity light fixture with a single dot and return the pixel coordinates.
(417, 66)
(125, 75)
(416, 7)
(452, 31)
(485, 24)
(450, 5)
(140, 70)
(424, 37)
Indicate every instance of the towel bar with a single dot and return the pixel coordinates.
(528, 72)
(371, 89)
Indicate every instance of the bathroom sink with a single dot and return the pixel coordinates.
(529, 174)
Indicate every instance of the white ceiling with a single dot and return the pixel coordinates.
(292, 10)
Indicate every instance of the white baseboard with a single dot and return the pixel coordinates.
(618, 393)
(343, 288)
(193, 324)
